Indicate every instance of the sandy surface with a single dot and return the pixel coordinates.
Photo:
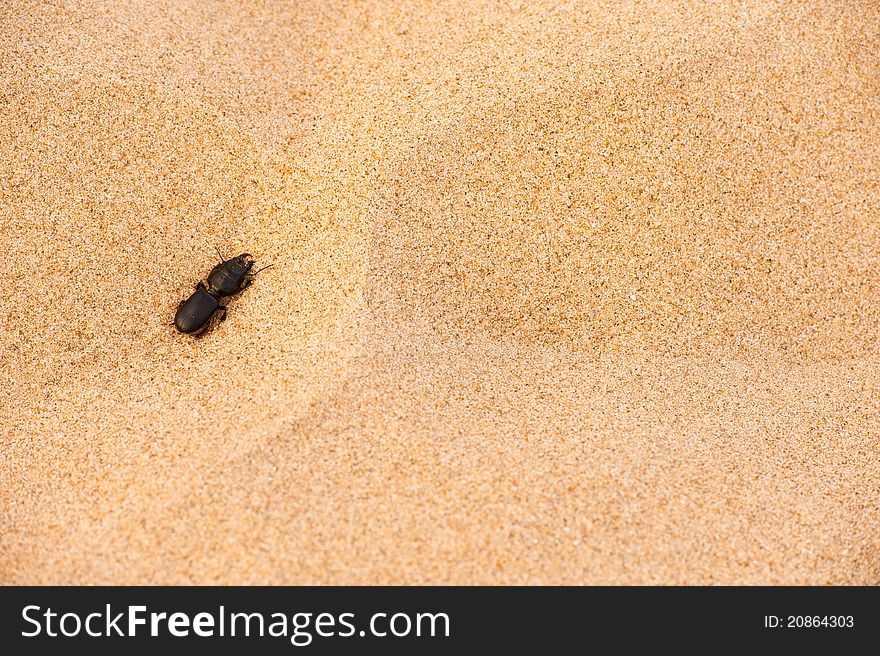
(564, 293)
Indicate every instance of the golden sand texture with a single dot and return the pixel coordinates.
(564, 292)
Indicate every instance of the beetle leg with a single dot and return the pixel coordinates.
(223, 310)
(247, 283)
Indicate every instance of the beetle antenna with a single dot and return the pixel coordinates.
(268, 266)
(222, 259)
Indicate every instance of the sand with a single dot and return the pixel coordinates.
(564, 293)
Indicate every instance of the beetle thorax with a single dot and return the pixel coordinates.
(226, 279)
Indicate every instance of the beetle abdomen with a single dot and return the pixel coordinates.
(195, 311)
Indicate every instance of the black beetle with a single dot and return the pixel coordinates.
(226, 279)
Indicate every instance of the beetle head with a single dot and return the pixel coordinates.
(245, 261)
